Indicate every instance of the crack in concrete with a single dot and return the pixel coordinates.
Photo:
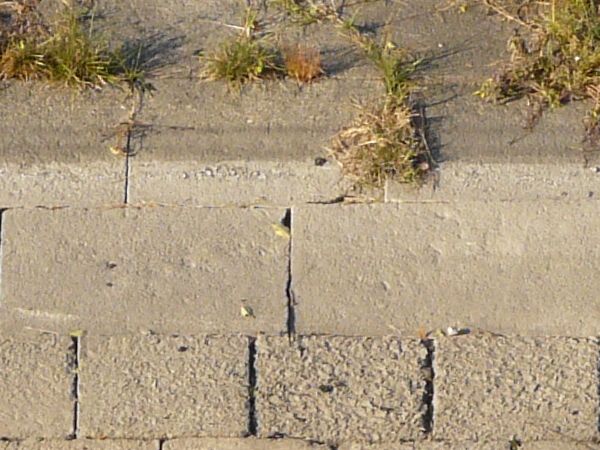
(252, 384)
(2, 211)
(74, 365)
(289, 289)
(428, 372)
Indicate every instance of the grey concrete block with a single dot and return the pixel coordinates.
(36, 382)
(334, 389)
(524, 268)
(83, 444)
(494, 388)
(150, 387)
(114, 271)
(55, 147)
(240, 444)
(359, 446)
(504, 181)
(259, 149)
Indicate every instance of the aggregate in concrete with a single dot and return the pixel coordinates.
(36, 383)
(261, 147)
(333, 389)
(515, 267)
(55, 146)
(153, 386)
(494, 388)
(82, 444)
(241, 444)
(463, 181)
(115, 271)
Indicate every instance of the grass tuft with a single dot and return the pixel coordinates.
(384, 142)
(247, 57)
(557, 58)
(239, 61)
(67, 52)
(302, 62)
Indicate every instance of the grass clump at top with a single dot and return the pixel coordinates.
(247, 57)
(68, 51)
(384, 142)
(302, 62)
(556, 61)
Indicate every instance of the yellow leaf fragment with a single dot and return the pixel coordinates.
(281, 230)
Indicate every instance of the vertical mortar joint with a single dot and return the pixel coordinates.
(252, 385)
(74, 367)
(287, 222)
(428, 373)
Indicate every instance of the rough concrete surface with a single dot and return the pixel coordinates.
(55, 144)
(334, 389)
(465, 445)
(150, 387)
(114, 271)
(522, 268)
(240, 444)
(461, 181)
(82, 444)
(261, 147)
(36, 383)
(494, 388)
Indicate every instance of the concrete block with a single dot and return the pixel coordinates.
(55, 147)
(171, 270)
(36, 382)
(334, 389)
(150, 387)
(463, 181)
(260, 148)
(82, 444)
(524, 268)
(494, 388)
(240, 444)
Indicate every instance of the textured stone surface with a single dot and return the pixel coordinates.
(260, 148)
(494, 388)
(55, 147)
(521, 268)
(82, 444)
(240, 444)
(35, 386)
(460, 181)
(149, 387)
(333, 389)
(165, 269)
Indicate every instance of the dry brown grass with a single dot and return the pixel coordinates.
(302, 62)
(382, 144)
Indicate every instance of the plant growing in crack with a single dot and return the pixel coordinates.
(554, 57)
(247, 57)
(384, 142)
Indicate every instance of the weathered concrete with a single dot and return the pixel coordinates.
(494, 388)
(35, 386)
(55, 146)
(334, 389)
(461, 181)
(359, 446)
(174, 270)
(149, 387)
(82, 444)
(521, 268)
(240, 444)
(260, 148)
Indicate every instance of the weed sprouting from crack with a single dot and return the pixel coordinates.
(68, 51)
(554, 57)
(383, 143)
(247, 57)
(302, 62)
